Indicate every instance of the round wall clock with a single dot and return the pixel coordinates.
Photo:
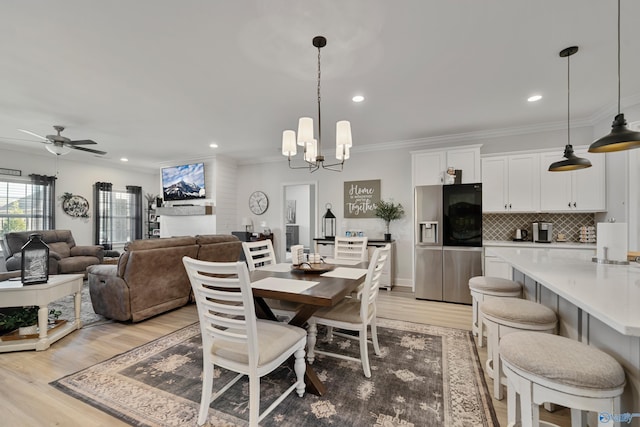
(258, 202)
(76, 206)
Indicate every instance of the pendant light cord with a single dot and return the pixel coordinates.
(619, 57)
(568, 99)
(319, 151)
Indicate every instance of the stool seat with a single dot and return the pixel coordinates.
(485, 287)
(520, 311)
(487, 284)
(542, 368)
(561, 360)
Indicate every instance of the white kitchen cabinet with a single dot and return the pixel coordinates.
(429, 166)
(574, 191)
(496, 267)
(511, 183)
(468, 161)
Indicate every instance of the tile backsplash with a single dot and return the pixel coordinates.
(503, 226)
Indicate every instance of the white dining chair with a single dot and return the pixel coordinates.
(350, 248)
(259, 253)
(232, 337)
(353, 315)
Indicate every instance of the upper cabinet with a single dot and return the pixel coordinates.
(576, 191)
(429, 166)
(511, 183)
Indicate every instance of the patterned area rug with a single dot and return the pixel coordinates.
(87, 315)
(426, 376)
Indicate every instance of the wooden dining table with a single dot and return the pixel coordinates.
(328, 292)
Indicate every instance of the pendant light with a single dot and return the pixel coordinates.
(620, 137)
(572, 161)
(312, 148)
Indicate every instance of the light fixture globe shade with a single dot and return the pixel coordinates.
(58, 150)
(289, 143)
(311, 152)
(570, 163)
(342, 152)
(621, 138)
(305, 130)
(343, 133)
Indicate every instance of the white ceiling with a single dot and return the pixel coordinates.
(156, 81)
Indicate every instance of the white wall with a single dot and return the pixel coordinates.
(78, 178)
(392, 167)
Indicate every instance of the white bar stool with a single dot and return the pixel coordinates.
(486, 287)
(549, 368)
(503, 316)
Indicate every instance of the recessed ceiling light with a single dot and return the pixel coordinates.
(213, 145)
(124, 159)
(358, 98)
(534, 98)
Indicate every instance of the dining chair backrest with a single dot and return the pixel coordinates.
(352, 248)
(259, 253)
(372, 281)
(224, 299)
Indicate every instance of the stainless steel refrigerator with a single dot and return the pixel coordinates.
(448, 236)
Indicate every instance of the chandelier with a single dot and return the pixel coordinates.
(311, 147)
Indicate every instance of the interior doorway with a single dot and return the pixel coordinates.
(299, 216)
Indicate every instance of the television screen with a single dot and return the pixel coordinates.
(183, 182)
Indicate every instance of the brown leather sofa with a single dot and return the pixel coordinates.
(65, 256)
(150, 278)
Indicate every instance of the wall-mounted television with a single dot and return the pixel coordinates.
(183, 182)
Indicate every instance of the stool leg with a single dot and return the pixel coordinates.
(493, 342)
(578, 418)
(530, 416)
(480, 327)
(474, 316)
(513, 404)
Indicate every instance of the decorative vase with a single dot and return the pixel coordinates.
(28, 330)
(387, 237)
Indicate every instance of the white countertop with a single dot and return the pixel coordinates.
(610, 293)
(529, 244)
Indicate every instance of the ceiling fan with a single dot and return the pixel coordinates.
(60, 145)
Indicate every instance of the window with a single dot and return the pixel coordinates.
(118, 214)
(27, 204)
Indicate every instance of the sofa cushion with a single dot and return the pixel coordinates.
(61, 248)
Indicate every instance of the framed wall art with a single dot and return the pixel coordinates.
(361, 198)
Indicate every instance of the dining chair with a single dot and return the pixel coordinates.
(232, 337)
(260, 254)
(353, 315)
(350, 248)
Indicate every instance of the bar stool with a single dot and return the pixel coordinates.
(549, 368)
(503, 316)
(485, 287)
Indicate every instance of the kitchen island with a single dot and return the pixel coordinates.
(596, 303)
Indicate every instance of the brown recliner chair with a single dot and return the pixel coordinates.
(65, 257)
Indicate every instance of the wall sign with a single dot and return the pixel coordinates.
(361, 198)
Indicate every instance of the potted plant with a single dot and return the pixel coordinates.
(389, 211)
(25, 319)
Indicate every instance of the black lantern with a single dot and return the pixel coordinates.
(35, 261)
(329, 223)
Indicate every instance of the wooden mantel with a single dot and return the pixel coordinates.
(186, 210)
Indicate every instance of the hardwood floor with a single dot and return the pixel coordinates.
(27, 399)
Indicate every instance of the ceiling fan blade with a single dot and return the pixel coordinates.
(90, 150)
(34, 134)
(82, 142)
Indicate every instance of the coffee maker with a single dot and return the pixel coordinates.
(542, 232)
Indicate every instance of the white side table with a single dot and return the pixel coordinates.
(14, 294)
